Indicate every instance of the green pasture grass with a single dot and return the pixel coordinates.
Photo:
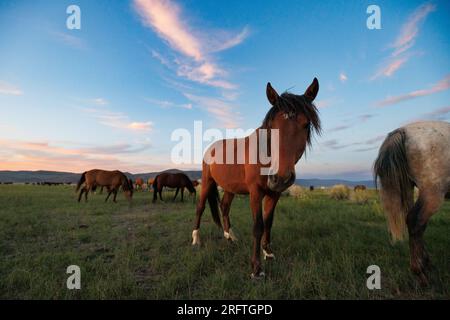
(322, 246)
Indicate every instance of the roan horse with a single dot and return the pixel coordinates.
(112, 180)
(295, 118)
(418, 155)
(172, 180)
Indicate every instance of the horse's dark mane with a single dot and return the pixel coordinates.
(126, 183)
(293, 105)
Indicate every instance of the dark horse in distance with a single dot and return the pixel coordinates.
(294, 118)
(172, 180)
(112, 180)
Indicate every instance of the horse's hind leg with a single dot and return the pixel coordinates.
(160, 194)
(115, 195)
(86, 191)
(182, 194)
(176, 193)
(428, 203)
(206, 186)
(270, 201)
(225, 208)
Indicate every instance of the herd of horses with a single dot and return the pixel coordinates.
(415, 155)
(115, 180)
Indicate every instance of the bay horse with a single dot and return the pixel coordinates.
(295, 118)
(139, 184)
(359, 187)
(416, 155)
(172, 180)
(112, 180)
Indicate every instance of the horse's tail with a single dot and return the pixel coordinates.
(392, 169)
(82, 180)
(213, 200)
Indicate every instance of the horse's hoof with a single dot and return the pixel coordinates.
(195, 237)
(230, 235)
(259, 276)
(268, 256)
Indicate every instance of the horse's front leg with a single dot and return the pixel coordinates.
(270, 201)
(258, 228)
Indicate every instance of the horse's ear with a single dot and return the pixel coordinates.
(312, 90)
(272, 95)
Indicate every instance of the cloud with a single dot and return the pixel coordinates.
(100, 101)
(343, 77)
(390, 68)
(405, 41)
(8, 89)
(440, 114)
(340, 128)
(168, 104)
(442, 85)
(118, 120)
(333, 144)
(221, 110)
(410, 29)
(45, 155)
(349, 123)
(70, 40)
(194, 46)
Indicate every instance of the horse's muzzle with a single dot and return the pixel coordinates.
(279, 184)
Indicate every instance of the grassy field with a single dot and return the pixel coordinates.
(322, 246)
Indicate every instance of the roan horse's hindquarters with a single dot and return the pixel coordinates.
(414, 155)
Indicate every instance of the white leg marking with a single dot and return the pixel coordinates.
(229, 235)
(259, 276)
(268, 255)
(195, 237)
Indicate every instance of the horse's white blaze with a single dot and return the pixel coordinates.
(195, 237)
(229, 235)
(428, 151)
(268, 255)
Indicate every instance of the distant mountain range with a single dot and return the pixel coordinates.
(66, 177)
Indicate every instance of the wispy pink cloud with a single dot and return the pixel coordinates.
(442, 85)
(392, 66)
(118, 120)
(410, 29)
(45, 155)
(195, 46)
(221, 110)
(8, 89)
(405, 41)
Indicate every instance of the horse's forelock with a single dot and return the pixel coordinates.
(293, 105)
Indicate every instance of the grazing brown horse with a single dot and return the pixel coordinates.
(112, 180)
(194, 183)
(150, 183)
(416, 155)
(359, 187)
(139, 184)
(295, 118)
(172, 180)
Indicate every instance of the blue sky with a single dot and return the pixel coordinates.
(110, 94)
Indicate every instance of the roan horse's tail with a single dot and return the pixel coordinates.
(82, 180)
(213, 200)
(392, 169)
